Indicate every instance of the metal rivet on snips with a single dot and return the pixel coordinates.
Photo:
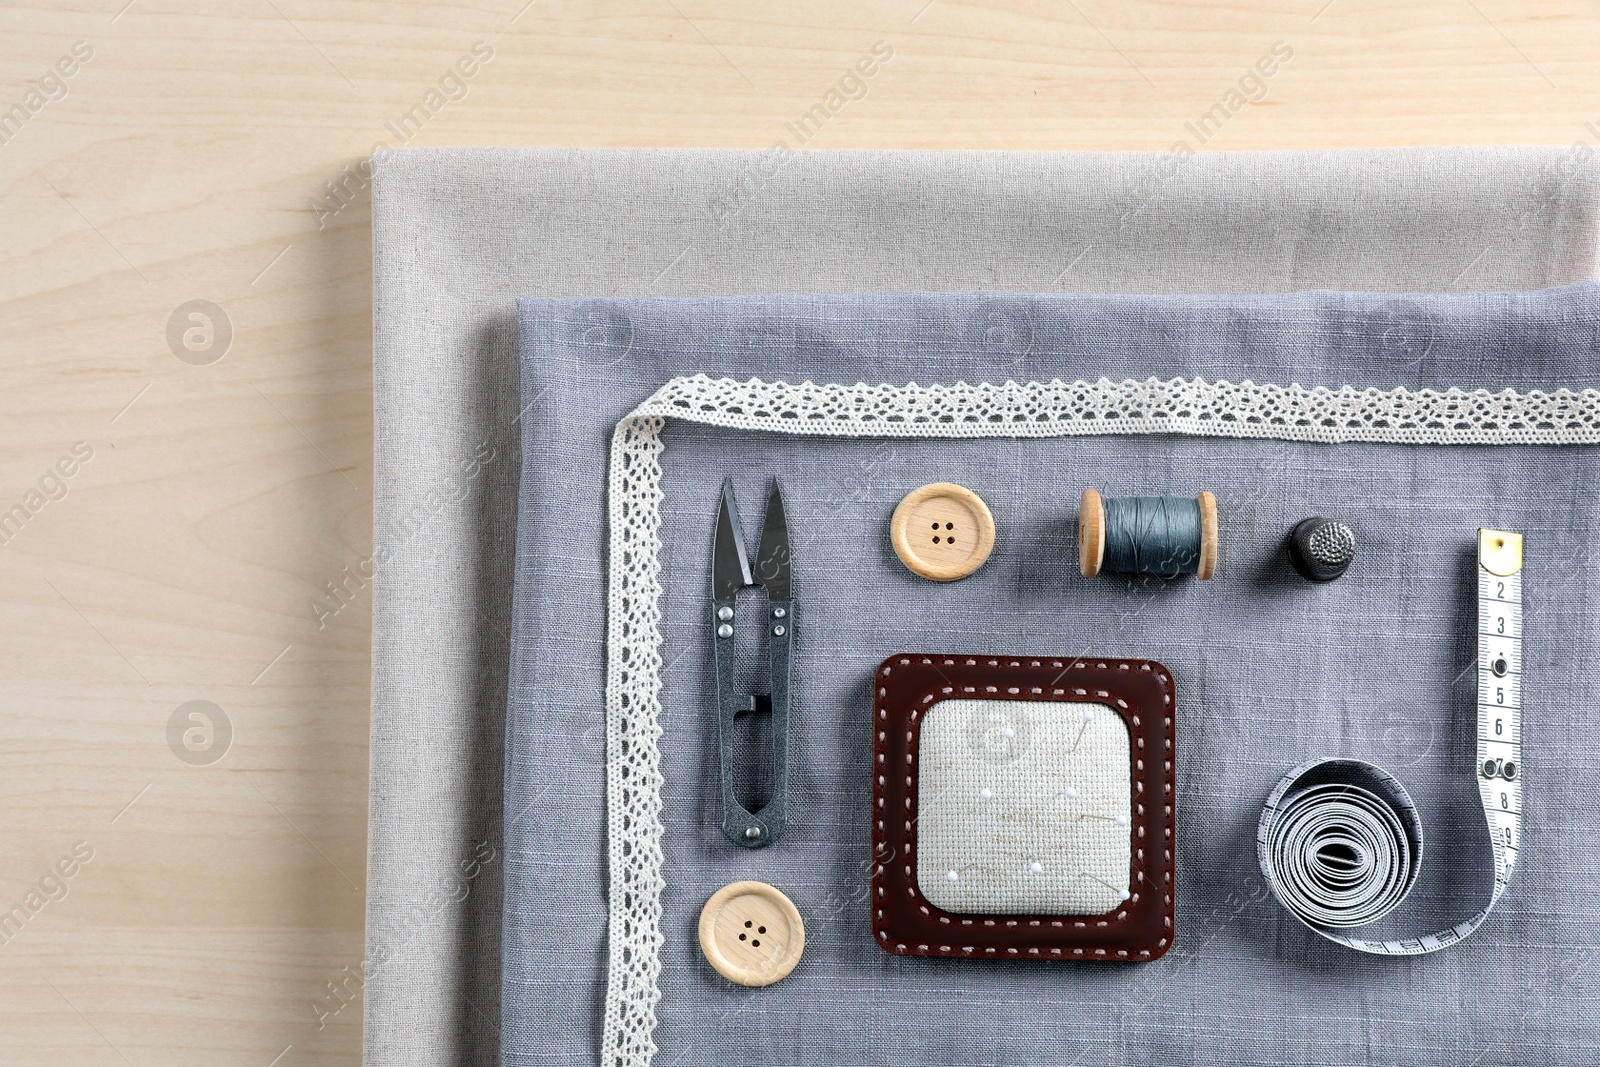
(731, 572)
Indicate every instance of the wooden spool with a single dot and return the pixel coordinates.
(1208, 536)
(1092, 534)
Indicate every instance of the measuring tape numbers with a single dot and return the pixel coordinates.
(1339, 840)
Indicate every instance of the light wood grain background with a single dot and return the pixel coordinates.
(179, 563)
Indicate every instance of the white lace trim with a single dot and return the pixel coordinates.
(1035, 409)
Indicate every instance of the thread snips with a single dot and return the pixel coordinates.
(730, 572)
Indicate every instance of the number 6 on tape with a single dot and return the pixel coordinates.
(1339, 840)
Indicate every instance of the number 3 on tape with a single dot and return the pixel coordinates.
(1339, 840)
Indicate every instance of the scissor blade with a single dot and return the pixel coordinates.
(772, 554)
(730, 568)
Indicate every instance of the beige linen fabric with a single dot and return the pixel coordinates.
(1023, 807)
(458, 234)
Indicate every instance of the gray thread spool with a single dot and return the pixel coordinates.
(1163, 536)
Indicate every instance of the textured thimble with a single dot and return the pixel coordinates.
(1321, 549)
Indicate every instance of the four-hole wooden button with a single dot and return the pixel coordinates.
(942, 531)
(751, 933)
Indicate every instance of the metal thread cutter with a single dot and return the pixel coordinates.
(731, 572)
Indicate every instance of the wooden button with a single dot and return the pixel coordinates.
(751, 933)
(942, 531)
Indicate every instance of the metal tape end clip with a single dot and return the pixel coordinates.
(1500, 551)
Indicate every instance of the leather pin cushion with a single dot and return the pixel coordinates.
(1023, 808)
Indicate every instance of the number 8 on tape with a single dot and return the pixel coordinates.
(1339, 840)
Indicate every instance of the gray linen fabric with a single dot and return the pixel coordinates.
(458, 233)
(1271, 670)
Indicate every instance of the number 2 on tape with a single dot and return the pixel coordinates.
(1339, 840)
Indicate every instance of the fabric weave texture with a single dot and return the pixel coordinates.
(1271, 670)
(1028, 805)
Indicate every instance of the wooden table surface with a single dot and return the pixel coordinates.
(182, 883)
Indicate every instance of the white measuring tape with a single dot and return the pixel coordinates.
(1339, 840)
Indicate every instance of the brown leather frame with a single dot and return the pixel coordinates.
(906, 924)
